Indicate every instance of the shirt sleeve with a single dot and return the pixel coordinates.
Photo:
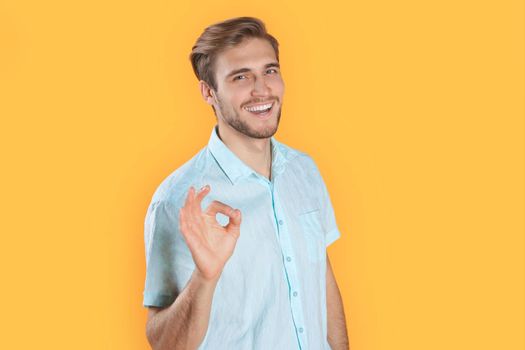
(169, 264)
(328, 219)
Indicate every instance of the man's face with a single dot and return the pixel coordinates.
(248, 76)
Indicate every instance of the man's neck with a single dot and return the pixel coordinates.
(256, 153)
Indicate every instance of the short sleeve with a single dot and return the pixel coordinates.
(327, 211)
(328, 219)
(169, 264)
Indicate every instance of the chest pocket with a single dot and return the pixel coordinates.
(313, 234)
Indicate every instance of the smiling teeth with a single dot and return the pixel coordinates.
(259, 108)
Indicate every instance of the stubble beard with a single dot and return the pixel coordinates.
(232, 119)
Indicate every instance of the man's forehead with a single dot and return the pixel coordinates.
(254, 54)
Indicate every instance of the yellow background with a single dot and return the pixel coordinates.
(413, 111)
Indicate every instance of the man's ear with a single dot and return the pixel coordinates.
(207, 92)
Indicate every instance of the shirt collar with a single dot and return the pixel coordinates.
(234, 168)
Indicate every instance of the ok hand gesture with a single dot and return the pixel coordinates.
(210, 243)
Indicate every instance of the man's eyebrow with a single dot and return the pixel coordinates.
(244, 70)
(273, 64)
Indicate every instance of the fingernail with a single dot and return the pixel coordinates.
(204, 187)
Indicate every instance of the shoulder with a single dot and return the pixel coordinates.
(298, 159)
(172, 189)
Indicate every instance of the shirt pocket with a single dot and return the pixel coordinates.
(313, 234)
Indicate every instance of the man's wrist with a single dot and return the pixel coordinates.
(203, 281)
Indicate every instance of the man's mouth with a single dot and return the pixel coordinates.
(261, 110)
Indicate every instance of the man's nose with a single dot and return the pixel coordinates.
(260, 88)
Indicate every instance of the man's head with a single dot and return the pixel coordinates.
(237, 64)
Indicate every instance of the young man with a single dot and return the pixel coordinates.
(236, 237)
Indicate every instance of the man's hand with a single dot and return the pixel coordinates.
(210, 243)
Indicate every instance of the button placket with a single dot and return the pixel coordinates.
(290, 270)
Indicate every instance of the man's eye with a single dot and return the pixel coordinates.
(275, 70)
(237, 77)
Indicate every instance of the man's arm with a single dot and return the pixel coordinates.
(184, 323)
(337, 334)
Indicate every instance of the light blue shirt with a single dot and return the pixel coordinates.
(272, 291)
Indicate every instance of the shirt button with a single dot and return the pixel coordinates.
(280, 222)
(301, 330)
(294, 294)
(288, 259)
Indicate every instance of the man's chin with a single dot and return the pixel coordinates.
(259, 133)
(265, 133)
(253, 128)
